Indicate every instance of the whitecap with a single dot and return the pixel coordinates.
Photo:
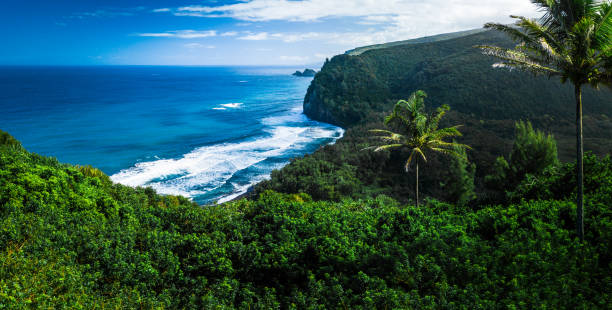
(207, 168)
(210, 169)
(233, 105)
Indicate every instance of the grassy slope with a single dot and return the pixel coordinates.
(434, 38)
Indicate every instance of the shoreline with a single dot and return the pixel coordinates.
(249, 192)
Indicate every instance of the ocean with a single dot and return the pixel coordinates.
(207, 133)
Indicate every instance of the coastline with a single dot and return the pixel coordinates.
(249, 192)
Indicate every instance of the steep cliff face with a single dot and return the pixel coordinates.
(345, 91)
(316, 109)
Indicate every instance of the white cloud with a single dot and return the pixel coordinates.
(390, 20)
(100, 13)
(285, 37)
(229, 34)
(255, 36)
(376, 19)
(296, 37)
(183, 34)
(198, 45)
(194, 14)
(161, 10)
(310, 10)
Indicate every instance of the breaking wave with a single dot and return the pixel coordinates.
(221, 172)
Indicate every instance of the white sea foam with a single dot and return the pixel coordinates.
(240, 189)
(207, 168)
(233, 105)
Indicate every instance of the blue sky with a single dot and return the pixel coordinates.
(248, 32)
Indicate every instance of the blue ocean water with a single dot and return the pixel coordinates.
(207, 133)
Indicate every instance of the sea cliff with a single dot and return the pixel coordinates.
(356, 92)
(316, 109)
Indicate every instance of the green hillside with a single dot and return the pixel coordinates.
(452, 72)
(356, 92)
(434, 38)
(69, 238)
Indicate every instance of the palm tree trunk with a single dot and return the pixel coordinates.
(579, 164)
(417, 183)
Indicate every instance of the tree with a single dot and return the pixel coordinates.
(532, 152)
(572, 41)
(418, 132)
(460, 183)
(8, 140)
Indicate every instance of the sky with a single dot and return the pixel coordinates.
(220, 32)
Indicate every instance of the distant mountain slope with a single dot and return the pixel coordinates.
(434, 38)
(348, 87)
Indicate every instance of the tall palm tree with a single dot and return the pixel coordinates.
(572, 41)
(418, 132)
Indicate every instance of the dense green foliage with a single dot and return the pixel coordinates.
(532, 152)
(418, 132)
(559, 182)
(459, 184)
(7, 140)
(572, 42)
(70, 239)
(452, 72)
(357, 92)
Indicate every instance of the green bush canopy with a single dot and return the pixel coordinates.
(69, 238)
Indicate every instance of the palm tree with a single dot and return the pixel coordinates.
(572, 41)
(418, 132)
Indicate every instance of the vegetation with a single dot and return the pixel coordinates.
(69, 239)
(354, 88)
(460, 181)
(341, 235)
(7, 140)
(573, 42)
(434, 38)
(357, 92)
(418, 132)
(532, 152)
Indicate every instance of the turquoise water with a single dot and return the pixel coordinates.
(207, 133)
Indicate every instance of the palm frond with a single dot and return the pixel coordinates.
(603, 31)
(415, 150)
(388, 146)
(515, 59)
(449, 152)
(381, 131)
(435, 119)
(513, 32)
(541, 40)
(444, 133)
(420, 152)
(369, 148)
(449, 145)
